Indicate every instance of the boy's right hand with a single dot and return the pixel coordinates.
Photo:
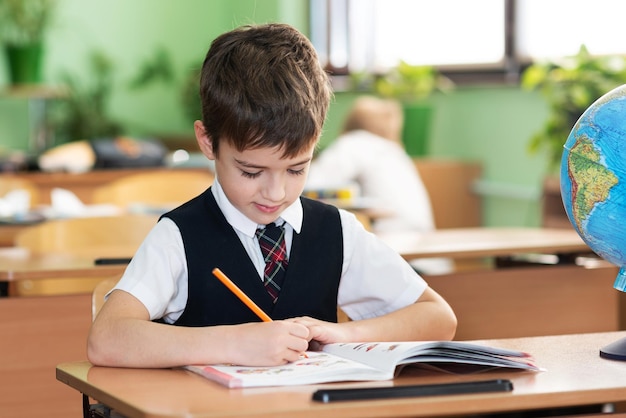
(266, 343)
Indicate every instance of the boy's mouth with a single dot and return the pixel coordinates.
(267, 209)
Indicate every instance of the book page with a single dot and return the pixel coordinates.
(317, 368)
(383, 356)
(386, 356)
(365, 361)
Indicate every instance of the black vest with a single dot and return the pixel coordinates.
(312, 278)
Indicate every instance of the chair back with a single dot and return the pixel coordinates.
(108, 236)
(163, 188)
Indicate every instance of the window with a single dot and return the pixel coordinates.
(468, 40)
(553, 28)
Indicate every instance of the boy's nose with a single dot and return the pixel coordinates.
(274, 189)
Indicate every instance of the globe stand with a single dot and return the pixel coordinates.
(617, 349)
(614, 351)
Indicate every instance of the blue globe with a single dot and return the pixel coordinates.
(593, 179)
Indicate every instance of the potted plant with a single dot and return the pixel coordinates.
(84, 111)
(569, 87)
(23, 24)
(412, 85)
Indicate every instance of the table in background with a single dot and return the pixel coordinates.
(22, 267)
(83, 184)
(8, 232)
(575, 375)
(37, 332)
(463, 243)
(576, 292)
(10, 228)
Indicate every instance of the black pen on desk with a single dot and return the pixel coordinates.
(455, 388)
(114, 260)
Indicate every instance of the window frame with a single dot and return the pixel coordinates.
(507, 72)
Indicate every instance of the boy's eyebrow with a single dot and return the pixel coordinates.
(251, 165)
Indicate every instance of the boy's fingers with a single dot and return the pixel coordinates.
(299, 330)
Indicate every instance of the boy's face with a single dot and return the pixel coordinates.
(260, 183)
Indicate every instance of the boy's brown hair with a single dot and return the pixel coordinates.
(263, 86)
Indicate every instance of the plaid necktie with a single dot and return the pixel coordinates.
(272, 243)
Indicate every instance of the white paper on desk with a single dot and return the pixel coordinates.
(15, 203)
(65, 204)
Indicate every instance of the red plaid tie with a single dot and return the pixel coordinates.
(272, 242)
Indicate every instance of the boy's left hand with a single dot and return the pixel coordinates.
(322, 332)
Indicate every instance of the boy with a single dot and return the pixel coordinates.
(264, 100)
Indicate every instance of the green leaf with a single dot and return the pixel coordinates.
(569, 86)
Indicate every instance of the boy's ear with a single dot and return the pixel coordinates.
(204, 141)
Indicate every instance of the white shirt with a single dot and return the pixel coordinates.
(375, 280)
(385, 175)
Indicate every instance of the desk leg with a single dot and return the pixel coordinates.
(97, 410)
(86, 407)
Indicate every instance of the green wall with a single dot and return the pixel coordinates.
(486, 124)
(493, 126)
(129, 32)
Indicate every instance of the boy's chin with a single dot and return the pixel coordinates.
(263, 218)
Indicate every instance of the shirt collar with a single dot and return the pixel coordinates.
(292, 215)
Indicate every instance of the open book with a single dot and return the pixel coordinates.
(366, 361)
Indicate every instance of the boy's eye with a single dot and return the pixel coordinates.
(250, 175)
(296, 172)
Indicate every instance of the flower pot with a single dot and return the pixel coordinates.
(24, 63)
(417, 120)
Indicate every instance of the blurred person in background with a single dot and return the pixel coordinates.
(369, 156)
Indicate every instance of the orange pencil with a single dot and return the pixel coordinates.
(242, 296)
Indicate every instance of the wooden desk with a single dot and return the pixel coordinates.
(29, 273)
(496, 303)
(36, 333)
(20, 264)
(461, 243)
(9, 232)
(516, 301)
(532, 301)
(575, 376)
(83, 184)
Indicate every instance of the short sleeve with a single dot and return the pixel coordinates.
(375, 279)
(157, 274)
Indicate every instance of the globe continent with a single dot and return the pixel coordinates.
(593, 179)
